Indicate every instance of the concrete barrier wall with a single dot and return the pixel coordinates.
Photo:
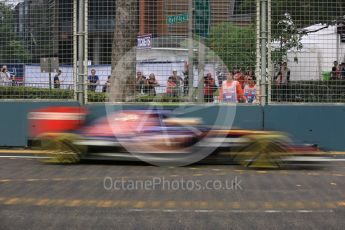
(323, 125)
(14, 123)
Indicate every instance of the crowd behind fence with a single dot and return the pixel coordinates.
(175, 88)
(305, 50)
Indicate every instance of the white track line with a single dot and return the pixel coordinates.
(231, 211)
(25, 157)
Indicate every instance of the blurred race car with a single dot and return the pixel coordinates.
(160, 137)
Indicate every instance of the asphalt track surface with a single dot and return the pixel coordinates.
(103, 195)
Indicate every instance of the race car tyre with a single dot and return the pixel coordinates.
(264, 151)
(61, 149)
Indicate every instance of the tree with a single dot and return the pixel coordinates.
(40, 27)
(304, 13)
(235, 45)
(289, 38)
(289, 17)
(12, 50)
(123, 51)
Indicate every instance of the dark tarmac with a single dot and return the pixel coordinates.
(99, 195)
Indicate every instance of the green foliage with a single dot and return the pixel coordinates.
(11, 48)
(96, 97)
(235, 45)
(160, 98)
(17, 51)
(42, 38)
(301, 14)
(304, 13)
(289, 38)
(312, 91)
(22, 92)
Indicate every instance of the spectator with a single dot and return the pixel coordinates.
(239, 77)
(185, 79)
(177, 80)
(335, 74)
(209, 88)
(282, 81)
(250, 91)
(5, 76)
(171, 87)
(186, 84)
(14, 80)
(57, 80)
(140, 82)
(151, 84)
(93, 80)
(342, 70)
(106, 85)
(247, 76)
(284, 77)
(278, 77)
(231, 90)
(221, 77)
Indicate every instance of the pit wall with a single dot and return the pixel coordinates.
(323, 125)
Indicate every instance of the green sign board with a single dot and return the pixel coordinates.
(202, 17)
(176, 19)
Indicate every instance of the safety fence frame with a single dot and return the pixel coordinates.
(186, 29)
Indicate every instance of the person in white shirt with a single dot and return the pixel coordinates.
(250, 91)
(5, 76)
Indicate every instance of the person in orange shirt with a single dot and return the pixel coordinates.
(231, 90)
(240, 78)
(171, 87)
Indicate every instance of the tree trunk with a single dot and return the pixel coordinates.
(123, 51)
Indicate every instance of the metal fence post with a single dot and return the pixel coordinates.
(75, 49)
(80, 81)
(258, 56)
(86, 39)
(201, 67)
(82, 58)
(190, 50)
(270, 72)
(263, 25)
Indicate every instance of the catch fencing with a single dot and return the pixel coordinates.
(197, 51)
